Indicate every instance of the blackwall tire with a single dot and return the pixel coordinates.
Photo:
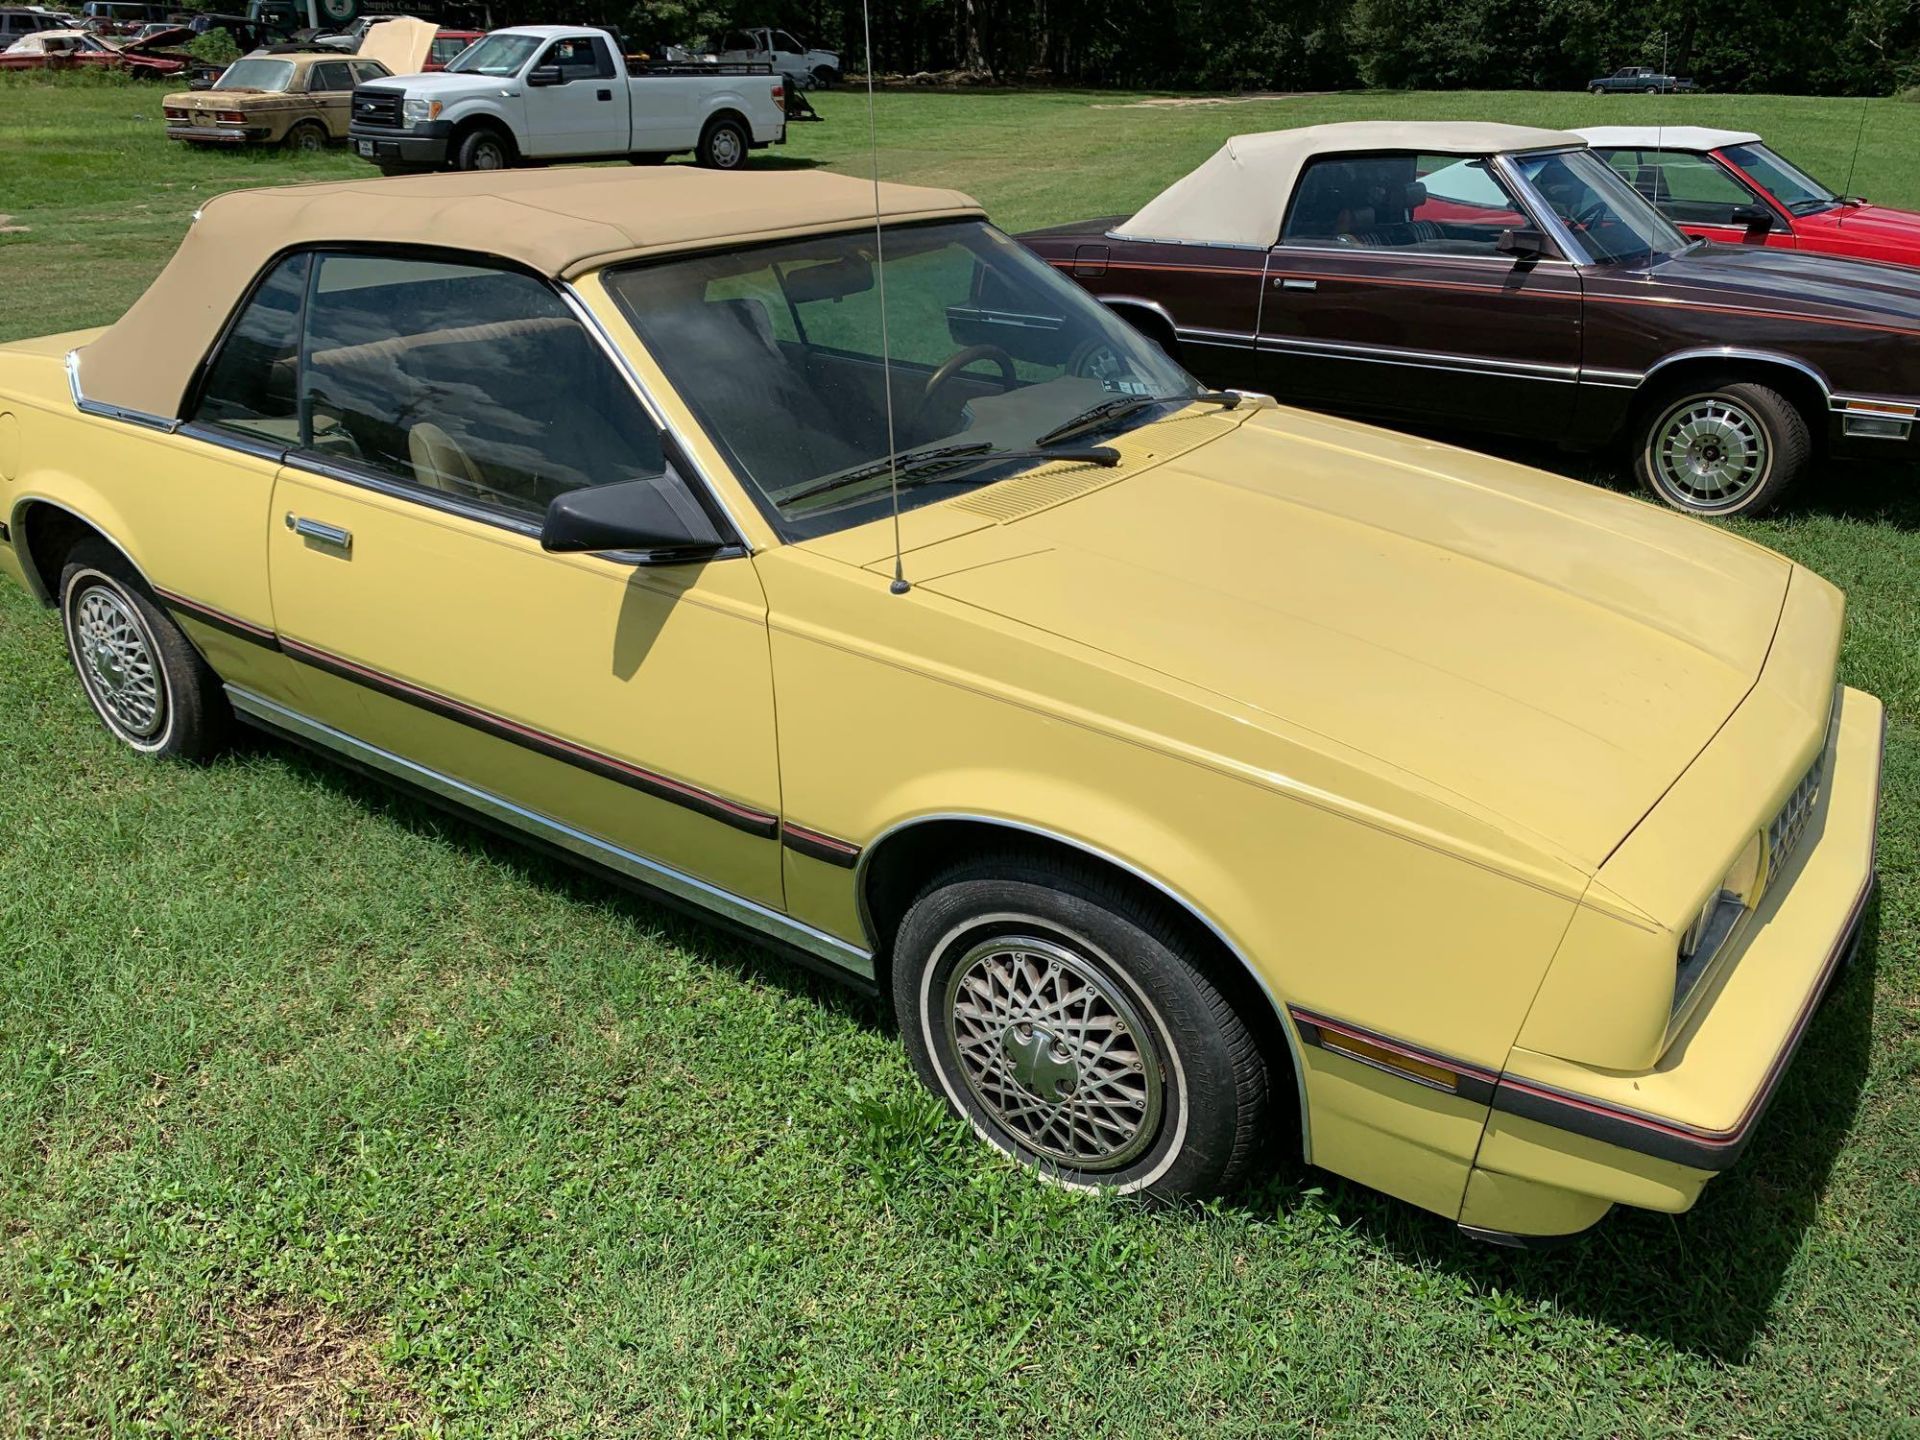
(1071, 1026)
(483, 150)
(724, 144)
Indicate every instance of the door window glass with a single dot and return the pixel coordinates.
(1436, 204)
(365, 70)
(786, 43)
(250, 386)
(1691, 189)
(329, 76)
(466, 381)
(579, 57)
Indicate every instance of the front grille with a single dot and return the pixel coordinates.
(1785, 830)
(377, 107)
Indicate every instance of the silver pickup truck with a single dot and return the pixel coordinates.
(539, 93)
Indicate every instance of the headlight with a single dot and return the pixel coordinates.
(418, 112)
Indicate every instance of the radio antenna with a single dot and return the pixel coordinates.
(899, 585)
(1846, 190)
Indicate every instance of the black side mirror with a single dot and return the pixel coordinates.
(545, 75)
(654, 516)
(1753, 217)
(1521, 244)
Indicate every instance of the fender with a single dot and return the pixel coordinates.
(1146, 877)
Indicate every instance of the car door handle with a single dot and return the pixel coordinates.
(1286, 282)
(604, 95)
(321, 533)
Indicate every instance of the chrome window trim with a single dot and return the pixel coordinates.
(368, 477)
(1187, 906)
(1202, 244)
(1495, 261)
(1543, 213)
(841, 954)
(621, 363)
(105, 411)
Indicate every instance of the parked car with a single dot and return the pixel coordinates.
(297, 101)
(1640, 78)
(572, 97)
(121, 17)
(84, 50)
(17, 23)
(1505, 279)
(1728, 186)
(805, 68)
(448, 44)
(1215, 768)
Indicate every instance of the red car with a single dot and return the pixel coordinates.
(84, 50)
(449, 43)
(1726, 185)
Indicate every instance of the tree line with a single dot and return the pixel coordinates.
(1828, 47)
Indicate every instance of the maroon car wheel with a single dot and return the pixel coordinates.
(1729, 449)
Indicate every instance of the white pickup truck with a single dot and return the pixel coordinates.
(537, 93)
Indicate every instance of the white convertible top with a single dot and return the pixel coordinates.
(1670, 137)
(1239, 196)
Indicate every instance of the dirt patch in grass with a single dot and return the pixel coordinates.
(294, 1372)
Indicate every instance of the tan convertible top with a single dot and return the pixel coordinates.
(1239, 196)
(560, 222)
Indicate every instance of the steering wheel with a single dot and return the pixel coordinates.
(1589, 217)
(951, 367)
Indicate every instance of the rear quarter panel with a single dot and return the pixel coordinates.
(189, 516)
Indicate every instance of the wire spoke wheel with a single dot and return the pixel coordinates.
(117, 662)
(1054, 1051)
(1710, 453)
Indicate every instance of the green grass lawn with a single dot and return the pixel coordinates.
(322, 1114)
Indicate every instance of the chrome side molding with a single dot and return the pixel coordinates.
(676, 884)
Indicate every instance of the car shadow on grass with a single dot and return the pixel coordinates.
(1704, 1282)
(547, 867)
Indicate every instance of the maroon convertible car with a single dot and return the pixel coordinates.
(1505, 279)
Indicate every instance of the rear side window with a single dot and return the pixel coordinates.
(250, 387)
(465, 381)
(365, 70)
(330, 76)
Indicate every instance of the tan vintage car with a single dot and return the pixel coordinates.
(300, 101)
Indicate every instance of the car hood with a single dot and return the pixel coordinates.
(1796, 280)
(1532, 650)
(1868, 222)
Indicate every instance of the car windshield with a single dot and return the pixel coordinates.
(1798, 191)
(1607, 216)
(270, 75)
(777, 350)
(496, 55)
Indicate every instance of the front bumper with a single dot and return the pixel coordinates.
(422, 148)
(1565, 1142)
(218, 134)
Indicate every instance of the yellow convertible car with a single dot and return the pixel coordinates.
(1204, 777)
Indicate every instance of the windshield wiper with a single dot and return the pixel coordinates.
(945, 457)
(1122, 406)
